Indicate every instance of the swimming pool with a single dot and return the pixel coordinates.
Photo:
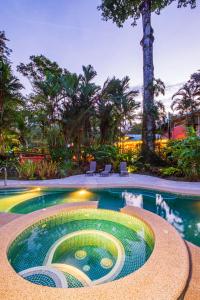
(183, 212)
(83, 247)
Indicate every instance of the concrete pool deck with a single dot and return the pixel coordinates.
(96, 181)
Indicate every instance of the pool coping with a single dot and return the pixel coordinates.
(168, 260)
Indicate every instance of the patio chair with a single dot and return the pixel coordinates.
(92, 169)
(107, 170)
(123, 169)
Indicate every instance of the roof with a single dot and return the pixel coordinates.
(138, 137)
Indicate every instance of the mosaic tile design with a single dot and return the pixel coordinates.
(41, 279)
(32, 246)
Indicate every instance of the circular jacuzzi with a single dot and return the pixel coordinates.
(83, 247)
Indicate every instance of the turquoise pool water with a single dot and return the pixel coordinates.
(183, 212)
(80, 248)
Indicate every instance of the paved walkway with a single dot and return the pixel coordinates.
(134, 180)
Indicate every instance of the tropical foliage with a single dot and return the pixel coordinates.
(187, 100)
(185, 155)
(82, 112)
(37, 170)
(119, 12)
(11, 102)
(116, 106)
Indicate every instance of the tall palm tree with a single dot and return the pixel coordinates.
(77, 109)
(116, 107)
(187, 101)
(88, 92)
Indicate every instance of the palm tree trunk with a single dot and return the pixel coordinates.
(148, 130)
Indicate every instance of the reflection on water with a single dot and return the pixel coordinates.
(133, 199)
(165, 211)
(180, 211)
(162, 209)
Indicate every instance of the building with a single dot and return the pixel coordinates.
(178, 125)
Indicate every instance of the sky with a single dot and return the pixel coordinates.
(72, 33)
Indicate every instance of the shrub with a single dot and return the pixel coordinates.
(47, 169)
(104, 154)
(170, 171)
(131, 157)
(42, 170)
(58, 149)
(132, 169)
(186, 155)
(66, 169)
(26, 170)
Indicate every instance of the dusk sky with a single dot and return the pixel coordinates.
(73, 34)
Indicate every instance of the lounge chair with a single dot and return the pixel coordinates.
(123, 169)
(92, 169)
(107, 170)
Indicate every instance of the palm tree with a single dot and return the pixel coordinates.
(88, 92)
(116, 107)
(160, 114)
(159, 108)
(78, 107)
(104, 109)
(187, 100)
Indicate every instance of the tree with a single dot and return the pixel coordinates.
(159, 108)
(10, 97)
(78, 107)
(45, 78)
(4, 50)
(116, 106)
(187, 99)
(160, 114)
(38, 69)
(61, 98)
(119, 12)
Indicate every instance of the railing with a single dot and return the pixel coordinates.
(5, 174)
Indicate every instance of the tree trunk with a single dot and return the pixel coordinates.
(148, 128)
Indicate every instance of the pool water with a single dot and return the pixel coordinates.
(183, 212)
(83, 247)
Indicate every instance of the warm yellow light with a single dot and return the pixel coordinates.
(80, 196)
(82, 192)
(10, 201)
(35, 189)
